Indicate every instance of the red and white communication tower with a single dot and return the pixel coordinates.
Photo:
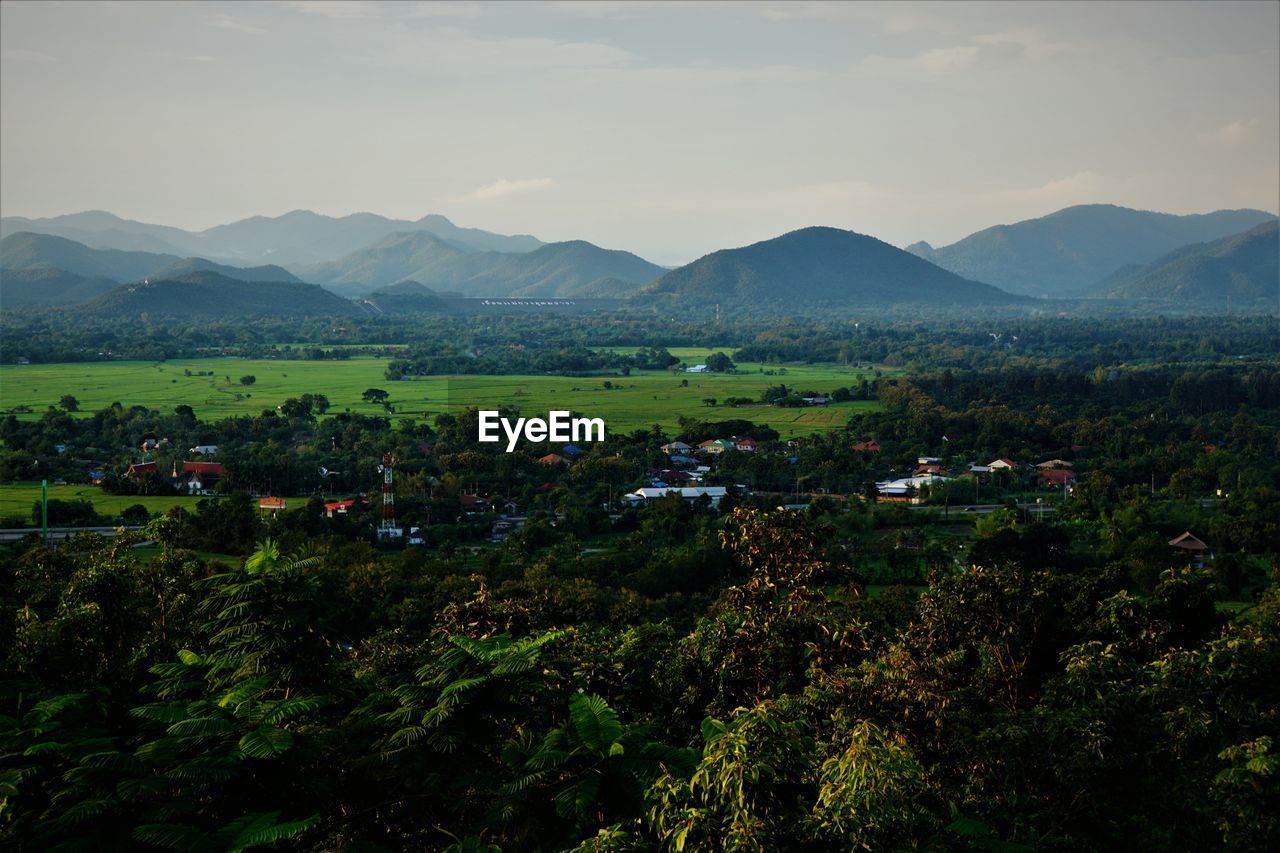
(388, 528)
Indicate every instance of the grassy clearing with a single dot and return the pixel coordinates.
(147, 552)
(634, 402)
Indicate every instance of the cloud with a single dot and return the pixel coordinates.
(332, 8)
(1233, 133)
(231, 22)
(19, 54)
(503, 188)
(184, 57)
(442, 10)
(946, 60)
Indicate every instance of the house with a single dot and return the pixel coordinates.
(151, 444)
(1193, 549)
(140, 469)
(676, 448)
(571, 450)
(926, 470)
(682, 460)
(1053, 463)
(697, 368)
(928, 460)
(866, 447)
(552, 459)
(198, 478)
(417, 536)
(504, 527)
(748, 445)
(1057, 478)
(715, 445)
(907, 487)
(979, 469)
(689, 493)
(474, 504)
(204, 449)
(815, 401)
(338, 507)
(1002, 464)
(273, 504)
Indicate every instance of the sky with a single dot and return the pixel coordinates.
(668, 129)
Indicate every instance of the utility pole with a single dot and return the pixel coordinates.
(44, 511)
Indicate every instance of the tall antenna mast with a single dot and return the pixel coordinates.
(388, 529)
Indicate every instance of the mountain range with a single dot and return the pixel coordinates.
(1067, 252)
(398, 266)
(1240, 269)
(551, 270)
(298, 237)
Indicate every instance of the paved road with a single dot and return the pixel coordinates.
(13, 534)
(984, 509)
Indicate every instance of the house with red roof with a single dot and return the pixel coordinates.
(475, 503)
(1057, 478)
(866, 447)
(140, 469)
(338, 507)
(553, 459)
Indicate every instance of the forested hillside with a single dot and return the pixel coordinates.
(1243, 269)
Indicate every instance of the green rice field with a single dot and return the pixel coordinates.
(634, 402)
(16, 499)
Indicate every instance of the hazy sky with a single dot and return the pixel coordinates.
(668, 129)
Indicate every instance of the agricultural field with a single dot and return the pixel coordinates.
(656, 397)
(163, 385)
(16, 500)
(632, 402)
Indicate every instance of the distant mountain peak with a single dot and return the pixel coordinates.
(1067, 251)
(819, 266)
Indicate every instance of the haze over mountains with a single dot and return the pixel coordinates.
(551, 270)
(1094, 251)
(31, 251)
(297, 237)
(1066, 252)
